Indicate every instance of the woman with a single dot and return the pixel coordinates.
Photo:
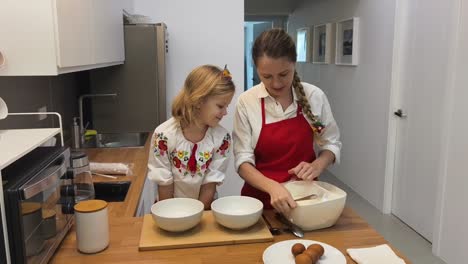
(277, 123)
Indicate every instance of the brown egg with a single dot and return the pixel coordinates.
(303, 259)
(314, 256)
(297, 249)
(317, 248)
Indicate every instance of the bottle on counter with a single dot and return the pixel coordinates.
(75, 134)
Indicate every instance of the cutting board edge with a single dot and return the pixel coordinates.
(206, 244)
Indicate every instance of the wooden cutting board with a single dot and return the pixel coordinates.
(207, 233)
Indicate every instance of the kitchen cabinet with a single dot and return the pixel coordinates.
(50, 37)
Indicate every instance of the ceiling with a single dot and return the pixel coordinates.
(270, 7)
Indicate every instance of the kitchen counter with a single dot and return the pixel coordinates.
(138, 158)
(350, 230)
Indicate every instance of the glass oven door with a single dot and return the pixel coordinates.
(41, 210)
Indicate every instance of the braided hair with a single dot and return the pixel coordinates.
(276, 43)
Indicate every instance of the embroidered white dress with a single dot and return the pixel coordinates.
(170, 152)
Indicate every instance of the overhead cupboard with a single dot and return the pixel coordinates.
(50, 37)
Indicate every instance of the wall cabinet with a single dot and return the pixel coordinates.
(50, 37)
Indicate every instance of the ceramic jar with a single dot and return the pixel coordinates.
(92, 226)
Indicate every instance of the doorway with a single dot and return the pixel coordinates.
(416, 128)
(252, 29)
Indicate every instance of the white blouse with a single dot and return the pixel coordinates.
(170, 153)
(248, 120)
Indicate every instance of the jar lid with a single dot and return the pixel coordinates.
(76, 154)
(48, 213)
(29, 208)
(79, 159)
(90, 206)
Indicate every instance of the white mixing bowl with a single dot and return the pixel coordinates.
(237, 212)
(319, 211)
(177, 214)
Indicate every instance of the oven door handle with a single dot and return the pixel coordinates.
(47, 178)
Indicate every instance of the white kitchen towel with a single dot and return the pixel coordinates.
(382, 254)
(110, 168)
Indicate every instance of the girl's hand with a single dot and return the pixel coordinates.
(281, 199)
(308, 171)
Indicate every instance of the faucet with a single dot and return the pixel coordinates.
(80, 109)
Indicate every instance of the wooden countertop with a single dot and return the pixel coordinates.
(138, 159)
(351, 231)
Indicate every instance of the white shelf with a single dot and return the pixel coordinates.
(15, 143)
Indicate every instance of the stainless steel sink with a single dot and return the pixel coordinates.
(111, 191)
(116, 140)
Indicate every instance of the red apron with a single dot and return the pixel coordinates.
(281, 146)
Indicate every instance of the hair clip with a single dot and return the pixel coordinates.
(318, 127)
(226, 73)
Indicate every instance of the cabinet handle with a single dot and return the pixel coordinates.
(46, 179)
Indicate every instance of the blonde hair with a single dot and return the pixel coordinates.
(201, 83)
(276, 43)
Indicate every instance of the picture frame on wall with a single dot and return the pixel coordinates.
(323, 44)
(303, 44)
(347, 42)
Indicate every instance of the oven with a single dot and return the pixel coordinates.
(39, 198)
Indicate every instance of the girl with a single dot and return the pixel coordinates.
(277, 123)
(189, 152)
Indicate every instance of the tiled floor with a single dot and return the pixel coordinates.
(407, 241)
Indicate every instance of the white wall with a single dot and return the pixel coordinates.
(128, 6)
(359, 96)
(202, 32)
(452, 239)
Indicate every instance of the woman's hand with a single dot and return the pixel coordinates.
(281, 199)
(307, 171)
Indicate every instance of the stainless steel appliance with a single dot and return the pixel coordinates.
(140, 83)
(39, 198)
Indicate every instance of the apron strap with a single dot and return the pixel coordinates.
(263, 111)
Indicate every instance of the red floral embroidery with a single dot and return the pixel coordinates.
(176, 162)
(208, 163)
(162, 145)
(225, 145)
(180, 160)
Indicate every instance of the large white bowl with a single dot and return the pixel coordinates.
(237, 212)
(321, 210)
(177, 214)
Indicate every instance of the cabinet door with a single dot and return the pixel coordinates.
(107, 31)
(26, 38)
(73, 27)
